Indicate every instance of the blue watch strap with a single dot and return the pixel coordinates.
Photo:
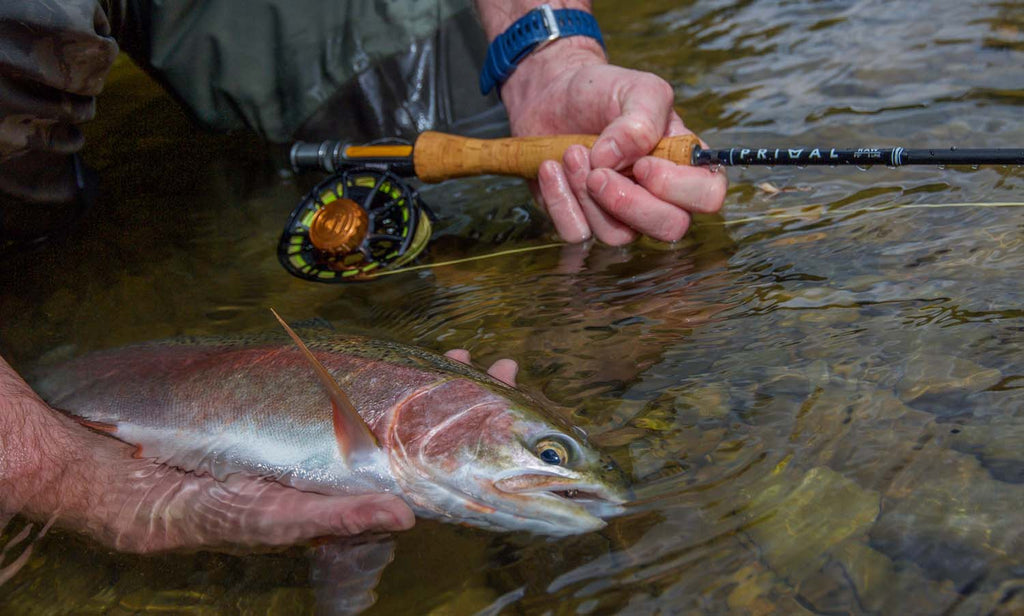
(531, 31)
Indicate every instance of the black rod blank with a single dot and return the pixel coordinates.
(862, 157)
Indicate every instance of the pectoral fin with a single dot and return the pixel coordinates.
(353, 435)
(99, 426)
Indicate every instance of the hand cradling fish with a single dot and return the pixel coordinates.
(347, 415)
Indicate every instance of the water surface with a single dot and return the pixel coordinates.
(822, 412)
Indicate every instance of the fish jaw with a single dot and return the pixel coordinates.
(478, 501)
(568, 498)
(464, 453)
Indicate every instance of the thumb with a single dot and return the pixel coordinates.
(646, 108)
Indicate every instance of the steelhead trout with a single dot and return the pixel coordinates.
(347, 415)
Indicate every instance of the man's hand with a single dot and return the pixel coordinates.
(149, 507)
(52, 467)
(568, 87)
(504, 370)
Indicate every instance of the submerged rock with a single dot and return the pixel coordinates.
(936, 374)
(947, 515)
(795, 526)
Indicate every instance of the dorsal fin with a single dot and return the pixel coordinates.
(353, 435)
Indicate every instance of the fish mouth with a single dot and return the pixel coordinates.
(597, 499)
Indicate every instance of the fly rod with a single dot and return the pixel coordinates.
(365, 218)
(435, 157)
(892, 157)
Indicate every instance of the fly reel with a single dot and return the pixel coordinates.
(353, 225)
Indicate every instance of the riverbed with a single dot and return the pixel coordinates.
(818, 395)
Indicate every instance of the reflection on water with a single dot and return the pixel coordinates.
(821, 413)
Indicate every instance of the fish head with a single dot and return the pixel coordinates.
(488, 456)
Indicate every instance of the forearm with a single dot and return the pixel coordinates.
(38, 450)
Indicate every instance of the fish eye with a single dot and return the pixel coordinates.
(552, 451)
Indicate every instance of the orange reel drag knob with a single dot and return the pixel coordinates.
(339, 227)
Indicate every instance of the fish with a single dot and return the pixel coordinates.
(344, 415)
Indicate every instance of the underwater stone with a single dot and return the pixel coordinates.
(996, 443)
(935, 374)
(794, 526)
(946, 514)
(883, 587)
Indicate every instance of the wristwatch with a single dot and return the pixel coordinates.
(531, 32)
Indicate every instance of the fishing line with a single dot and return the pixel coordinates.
(500, 253)
(796, 213)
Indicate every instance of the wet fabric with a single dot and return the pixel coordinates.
(358, 69)
(271, 64)
(54, 56)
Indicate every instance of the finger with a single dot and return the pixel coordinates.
(676, 128)
(561, 204)
(165, 509)
(353, 515)
(695, 189)
(292, 516)
(607, 229)
(646, 107)
(636, 207)
(571, 258)
(504, 370)
(460, 355)
(248, 511)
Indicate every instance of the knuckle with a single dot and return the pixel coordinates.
(556, 201)
(657, 181)
(644, 133)
(664, 91)
(350, 523)
(617, 202)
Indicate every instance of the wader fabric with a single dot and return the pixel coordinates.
(350, 69)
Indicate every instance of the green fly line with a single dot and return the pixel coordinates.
(500, 253)
(789, 213)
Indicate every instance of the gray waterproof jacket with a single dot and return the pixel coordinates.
(355, 69)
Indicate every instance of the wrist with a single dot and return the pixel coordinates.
(531, 28)
(47, 468)
(38, 458)
(497, 15)
(546, 67)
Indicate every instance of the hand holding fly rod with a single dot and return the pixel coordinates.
(563, 87)
(436, 157)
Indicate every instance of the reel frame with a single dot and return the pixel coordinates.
(399, 227)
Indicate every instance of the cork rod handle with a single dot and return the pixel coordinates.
(438, 156)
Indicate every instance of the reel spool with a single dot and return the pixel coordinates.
(353, 225)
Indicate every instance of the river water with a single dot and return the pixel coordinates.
(819, 395)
